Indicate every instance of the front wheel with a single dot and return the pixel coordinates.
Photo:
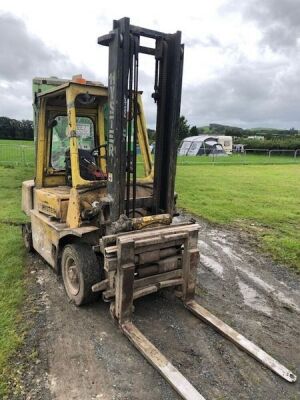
(80, 271)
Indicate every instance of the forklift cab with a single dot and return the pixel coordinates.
(71, 127)
(70, 143)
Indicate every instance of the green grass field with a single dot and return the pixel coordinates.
(11, 265)
(256, 196)
(253, 159)
(16, 152)
(260, 198)
(17, 142)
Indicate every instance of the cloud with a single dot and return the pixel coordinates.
(24, 56)
(208, 41)
(241, 60)
(277, 20)
(16, 100)
(248, 94)
(259, 84)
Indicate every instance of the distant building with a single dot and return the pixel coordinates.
(256, 137)
(205, 145)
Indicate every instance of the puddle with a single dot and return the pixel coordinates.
(202, 245)
(213, 265)
(228, 251)
(253, 299)
(280, 296)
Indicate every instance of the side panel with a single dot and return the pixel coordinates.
(52, 204)
(194, 148)
(43, 239)
(48, 235)
(27, 196)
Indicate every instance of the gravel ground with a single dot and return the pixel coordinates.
(79, 353)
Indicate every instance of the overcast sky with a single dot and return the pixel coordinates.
(242, 61)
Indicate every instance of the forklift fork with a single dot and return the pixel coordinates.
(130, 247)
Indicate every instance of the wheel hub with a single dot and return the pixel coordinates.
(72, 275)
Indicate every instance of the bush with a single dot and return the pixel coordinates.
(272, 144)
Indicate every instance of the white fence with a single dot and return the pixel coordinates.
(17, 154)
(24, 154)
(280, 152)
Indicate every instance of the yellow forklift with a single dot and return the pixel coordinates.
(100, 213)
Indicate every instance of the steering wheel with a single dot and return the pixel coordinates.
(95, 151)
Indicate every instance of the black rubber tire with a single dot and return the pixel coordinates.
(88, 272)
(27, 237)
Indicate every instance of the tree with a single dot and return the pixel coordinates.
(14, 129)
(201, 131)
(27, 129)
(183, 130)
(194, 131)
(6, 129)
(151, 135)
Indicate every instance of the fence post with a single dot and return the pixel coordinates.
(23, 155)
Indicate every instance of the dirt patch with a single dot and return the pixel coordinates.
(83, 355)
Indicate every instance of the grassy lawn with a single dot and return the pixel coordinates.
(262, 198)
(11, 265)
(255, 159)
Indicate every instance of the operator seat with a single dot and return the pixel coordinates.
(87, 166)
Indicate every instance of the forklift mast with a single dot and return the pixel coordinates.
(123, 86)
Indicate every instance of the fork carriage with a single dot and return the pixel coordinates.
(140, 263)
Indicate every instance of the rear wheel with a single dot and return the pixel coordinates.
(80, 271)
(27, 236)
